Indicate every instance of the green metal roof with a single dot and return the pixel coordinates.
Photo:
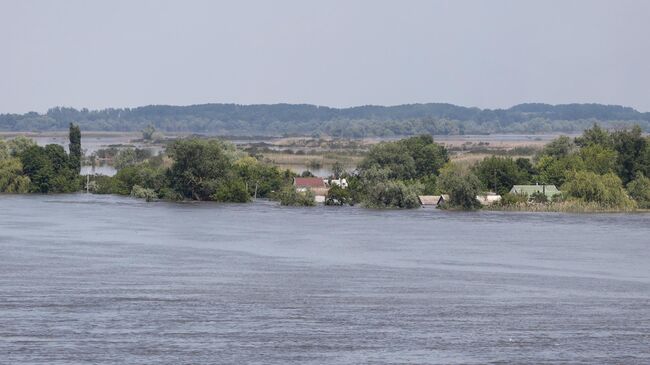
(529, 190)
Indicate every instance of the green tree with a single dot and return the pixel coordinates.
(393, 157)
(393, 194)
(429, 184)
(560, 147)
(12, 179)
(428, 156)
(75, 148)
(605, 190)
(124, 158)
(232, 190)
(19, 144)
(148, 132)
(49, 170)
(594, 136)
(598, 158)
(526, 167)
(199, 167)
(337, 195)
(499, 174)
(4, 150)
(290, 197)
(631, 148)
(143, 193)
(462, 186)
(408, 158)
(259, 178)
(125, 179)
(639, 190)
(554, 171)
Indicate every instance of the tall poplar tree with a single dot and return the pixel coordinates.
(75, 148)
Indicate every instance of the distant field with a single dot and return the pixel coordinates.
(316, 154)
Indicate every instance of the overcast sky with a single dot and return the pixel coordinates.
(491, 54)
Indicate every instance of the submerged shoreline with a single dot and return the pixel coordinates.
(550, 208)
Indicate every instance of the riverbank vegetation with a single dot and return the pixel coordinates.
(597, 171)
(26, 167)
(206, 170)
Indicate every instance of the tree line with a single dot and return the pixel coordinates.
(354, 122)
(28, 168)
(597, 170)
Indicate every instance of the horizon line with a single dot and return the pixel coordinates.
(317, 105)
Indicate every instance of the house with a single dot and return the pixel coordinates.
(315, 184)
(429, 200)
(432, 200)
(548, 190)
(488, 198)
(304, 183)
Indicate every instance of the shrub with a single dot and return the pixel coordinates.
(338, 196)
(639, 190)
(393, 194)
(461, 185)
(231, 191)
(604, 190)
(290, 197)
(102, 184)
(513, 199)
(12, 179)
(538, 197)
(143, 193)
(170, 194)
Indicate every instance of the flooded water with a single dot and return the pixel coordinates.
(111, 280)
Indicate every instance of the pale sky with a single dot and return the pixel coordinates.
(491, 54)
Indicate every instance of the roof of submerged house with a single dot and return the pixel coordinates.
(429, 199)
(308, 182)
(432, 199)
(549, 190)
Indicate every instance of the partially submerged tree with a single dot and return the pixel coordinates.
(12, 179)
(75, 148)
(337, 195)
(605, 190)
(290, 197)
(49, 170)
(199, 168)
(393, 174)
(499, 174)
(639, 190)
(462, 185)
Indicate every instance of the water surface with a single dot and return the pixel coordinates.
(113, 280)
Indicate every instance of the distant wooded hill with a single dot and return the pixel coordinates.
(361, 121)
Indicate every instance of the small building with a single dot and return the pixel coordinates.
(432, 200)
(304, 183)
(488, 198)
(548, 190)
(315, 184)
(429, 200)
